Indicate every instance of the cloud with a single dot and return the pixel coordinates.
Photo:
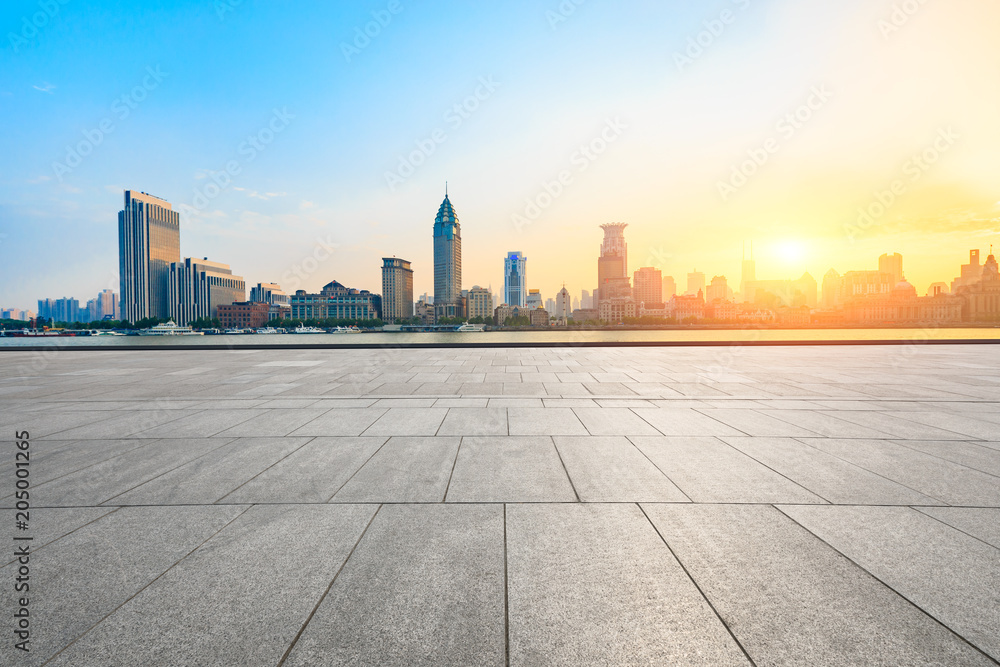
(260, 195)
(46, 87)
(40, 179)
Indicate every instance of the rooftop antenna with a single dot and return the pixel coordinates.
(446, 188)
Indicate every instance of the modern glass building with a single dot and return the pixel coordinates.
(197, 287)
(515, 279)
(397, 289)
(447, 263)
(149, 240)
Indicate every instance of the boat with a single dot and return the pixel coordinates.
(470, 327)
(341, 330)
(267, 330)
(169, 329)
(307, 330)
(106, 332)
(34, 333)
(235, 332)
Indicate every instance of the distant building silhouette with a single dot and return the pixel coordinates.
(612, 265)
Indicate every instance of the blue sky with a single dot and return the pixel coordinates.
(547, 83)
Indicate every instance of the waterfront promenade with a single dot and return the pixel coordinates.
(559, 506)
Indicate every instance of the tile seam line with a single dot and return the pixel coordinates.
(506, 593)
(900, 595)
(454, 463)
(961, 436)
(716, 419)
(308, 440)
(861, 467)
(33, 551)
(552, 439)
(167, 472)
(639, 449)
(776, 472)
(377, 450)
(150, 583)
(945, 523)
(695, 584)
(298, 635)
(901, 443)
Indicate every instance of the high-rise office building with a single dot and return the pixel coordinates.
(696, 283)
(586, 300)
(892, 264)
(647, 286)
(108, 305)
(515, 277)
(447, 262)
(397, 289)
(669, 288)
(197, 287)
(612, 265)
(149, 240)
(534, 299)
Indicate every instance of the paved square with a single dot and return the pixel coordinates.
(536, 506)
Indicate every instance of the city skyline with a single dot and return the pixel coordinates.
(815, 157)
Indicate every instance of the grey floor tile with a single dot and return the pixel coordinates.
(425, 586)
(791, 599)
(408, 421)
(211, 477)
(47, 525)
(754, 423)
(709, 470)
(310, 474)
(404, 470)
(474, 421)
(611, 469)
(898, 426)
(273, 423)
(981, 523)
(684, 421)
(240, 579)
(341, 421)
(949, 482)
(950, 575)
(976, 455)
(595, 585)
(89, 573)
(509, 469)
(824, 424)
(829, 477)
(201, 425)
(97, 483)
(613, 421)
(544, 421)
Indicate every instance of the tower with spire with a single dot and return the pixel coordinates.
(447, 262)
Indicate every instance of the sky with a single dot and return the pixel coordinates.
(302, 142)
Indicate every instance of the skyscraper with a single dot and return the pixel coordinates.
(397, 289)
(669, 288)
(447, 262)
(149, 239)
(612, 265)
(892, 264)
(696, 283)
(647, 286)
(515, 279)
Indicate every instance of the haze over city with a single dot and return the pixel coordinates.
(773, 121)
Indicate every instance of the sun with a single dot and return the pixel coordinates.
(791, 252)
